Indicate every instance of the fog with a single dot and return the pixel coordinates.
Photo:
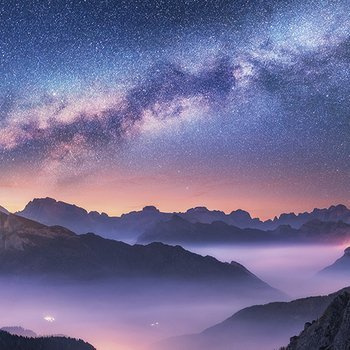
(290, 268)
(115, 318)
(135, 315)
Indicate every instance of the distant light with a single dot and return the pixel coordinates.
(154, 324)
(49, 319)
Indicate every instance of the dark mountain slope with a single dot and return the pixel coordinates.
(3, 210)
(340, 267)
(262, 327)
(330, 332)
(178, 230)
(32, 249)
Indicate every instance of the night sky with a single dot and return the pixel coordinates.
(114, 105)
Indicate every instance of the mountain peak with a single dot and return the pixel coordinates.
(339, 209)
(243, 214)
(198, 210)
(150, 208)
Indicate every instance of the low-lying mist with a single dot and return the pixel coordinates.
(136, 314)
(290, 268)
(114, 317)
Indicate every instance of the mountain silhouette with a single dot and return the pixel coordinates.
(15, 330)
(31, 249)
(129, 226)
(178, 231)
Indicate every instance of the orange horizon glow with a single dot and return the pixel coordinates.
(118, 191)
(116, 200)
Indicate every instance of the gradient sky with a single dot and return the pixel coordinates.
(113, 105)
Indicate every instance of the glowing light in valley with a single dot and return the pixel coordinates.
(49, 319)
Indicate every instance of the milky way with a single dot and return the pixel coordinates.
(220, 100)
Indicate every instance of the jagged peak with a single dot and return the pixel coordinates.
(241, 213)
(43, 199)
(338, 208)
(48, 202)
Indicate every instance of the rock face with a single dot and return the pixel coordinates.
(331, 331)
(15, 342)
(16, 232)
(32, 249)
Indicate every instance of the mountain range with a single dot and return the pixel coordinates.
(31, 249)
(262, 327)
(179, 231)
(129, 226)
(14, 342)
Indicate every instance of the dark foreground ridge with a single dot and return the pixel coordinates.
(262, 327)
(15, 342)
(330, 332)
